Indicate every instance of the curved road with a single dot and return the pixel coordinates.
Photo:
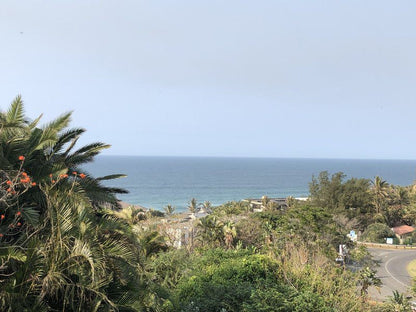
(392, 271)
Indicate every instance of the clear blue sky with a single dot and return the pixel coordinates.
(271, 78)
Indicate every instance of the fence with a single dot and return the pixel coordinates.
(386, 246)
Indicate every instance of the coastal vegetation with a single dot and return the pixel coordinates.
(67, 245)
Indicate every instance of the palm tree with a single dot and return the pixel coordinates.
(398, 302)
(265, 201)
(151, 242)
(291, 201)
(61, 248)
(210, 230)
(272, 206)
(207, 206)
(268, 232)
(379, 190)
(169, 209)
(130, 214)
(402, 196)
(71, 259)
(230, 233)
(193, 205)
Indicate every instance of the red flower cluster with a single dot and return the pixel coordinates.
(25, 178)
(21, 158)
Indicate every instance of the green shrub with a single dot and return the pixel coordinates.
(376, 233)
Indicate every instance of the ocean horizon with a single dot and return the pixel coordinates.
(155, 181)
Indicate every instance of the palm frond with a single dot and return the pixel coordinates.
(111, 177)
(50, 131)
(32, 125)
(99, 194)
(12, 253)
(15, 113)
(31, 215)
(82, 250)
(59, 123)
(85, 154)
(67, 137)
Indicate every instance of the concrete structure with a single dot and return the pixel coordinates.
(258, 204)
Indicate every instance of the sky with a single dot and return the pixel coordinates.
(310, 79)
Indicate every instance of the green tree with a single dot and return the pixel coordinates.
(379, 189)
(368, 278)
(151, 243)
(130, 214)
(230, 233)
(169, 209)
(193, 205)
(325, 191)
(291, 201)
(210, 231)
(207, 206)
(355, 195)
(265, 201)
(401, 196)
(377, 233)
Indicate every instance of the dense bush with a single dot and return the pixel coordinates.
(242, 281)
(377, 233)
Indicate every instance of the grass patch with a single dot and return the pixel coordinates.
(411, 268)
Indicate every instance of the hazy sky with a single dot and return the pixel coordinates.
(219, 78)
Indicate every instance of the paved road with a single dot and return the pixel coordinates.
(392, 271)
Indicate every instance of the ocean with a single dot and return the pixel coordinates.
(154, 182)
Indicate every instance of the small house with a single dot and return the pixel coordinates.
(402, 232)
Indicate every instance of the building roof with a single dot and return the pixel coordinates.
(403, 229)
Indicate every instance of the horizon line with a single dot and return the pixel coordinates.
(257, 157)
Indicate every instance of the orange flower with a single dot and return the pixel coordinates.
(82, 176)
(33, 183)
(24, 174)
(1, 235)
(53, 181)
(9, 182)
(21, 158)
(25, 180)
(9, 190)
(19, 224)
(2, 217)
(65, 176)
(74, 173)
(51, 175)
(18, 213)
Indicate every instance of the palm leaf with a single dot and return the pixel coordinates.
(31, 215)
(111, 177)
(69, 136)
(35, 122)
(15, 113)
